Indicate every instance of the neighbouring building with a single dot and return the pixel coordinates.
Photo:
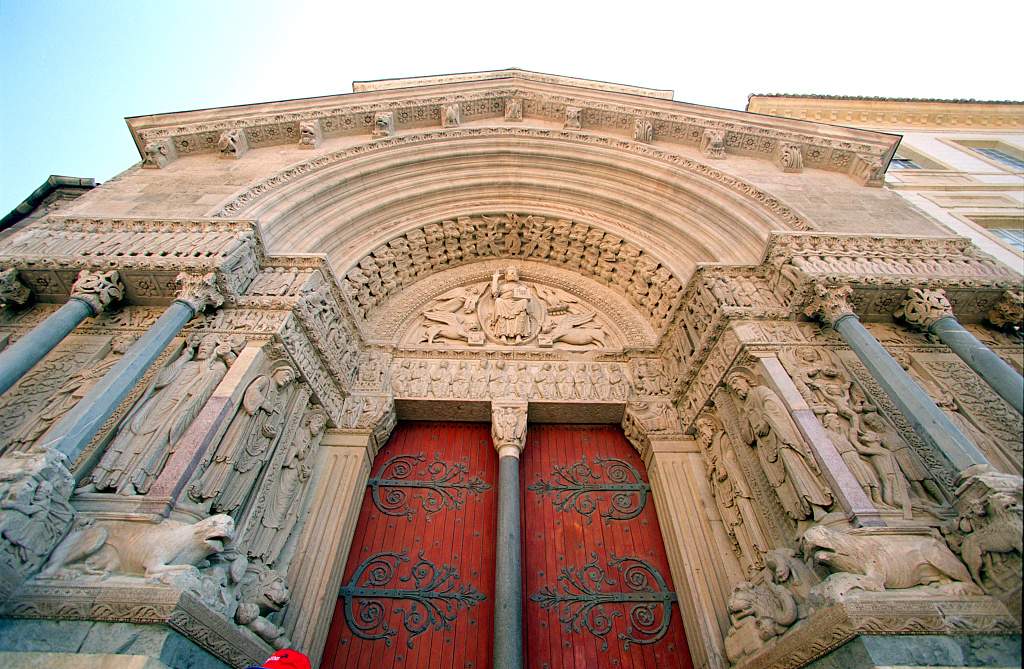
(511, 369)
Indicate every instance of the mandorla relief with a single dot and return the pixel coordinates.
(509, 312)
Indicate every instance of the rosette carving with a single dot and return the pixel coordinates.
(923, 307)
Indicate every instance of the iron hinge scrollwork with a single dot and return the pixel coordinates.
(434, 599)
(444, 485)
(572, 487)
(581, 603)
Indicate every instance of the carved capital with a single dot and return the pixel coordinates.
(922, 307)
(199, 291)
(508, 427)
(653, 418)
(98, 289)
(829, 303)
(1009, 311)
(12, 290)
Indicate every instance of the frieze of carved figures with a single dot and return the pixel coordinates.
(987, 532)
(276, 511)
(650, 418)
(712, 143)
(785, 459)
(643, 130)
(973, 411)
(315, 372)
(98, 289)
(790, 157)
(496, 379)
(733, 498)
(876, 559)
(573, 118)
(383, 124)
(12, 290)
(366, 412)
(146, 438)
(41, 406)
(579, 247)
(227, 479)
(310, 134)
(650, 378)
(158, 153)
(510, 312)
(35, 513)
(329, 330)
(233, 143)
(278, 282)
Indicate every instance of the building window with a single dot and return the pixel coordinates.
(1001, 156)
(1007, 229)
(903, 164)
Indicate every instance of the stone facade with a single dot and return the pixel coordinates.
(274, 286)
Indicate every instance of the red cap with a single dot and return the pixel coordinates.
(286, 658)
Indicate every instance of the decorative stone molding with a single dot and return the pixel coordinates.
(712, 143)
(923, 307)
(790, 157)
(310, 134)
(383, 124)
(513, 110)
(829, 303)
(1008, 311)
(158, 153)
(98, 289)
(508, 428)
(784, 216)
(12, 290)
(233, 144)
(451, 115)
(199, 291)
(573, 118)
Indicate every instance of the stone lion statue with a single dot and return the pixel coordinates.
(878, 559)
(136, 549)
(263, 591)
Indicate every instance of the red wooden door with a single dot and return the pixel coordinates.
(418, 589)
(596, 585)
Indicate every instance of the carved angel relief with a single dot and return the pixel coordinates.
(509, 312)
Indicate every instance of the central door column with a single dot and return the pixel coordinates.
(508, 431)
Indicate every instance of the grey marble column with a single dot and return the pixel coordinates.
(76, 429)
(508, 430)
(931, 424)
(930, 310)
(91, 293)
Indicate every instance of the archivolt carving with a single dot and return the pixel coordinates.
(565, 297)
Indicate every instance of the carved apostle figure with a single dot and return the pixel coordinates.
(246, 445)
(922, 485)
(146, 438)
(785, 459)
(68, 395)
(512, 321)
(838, 433)
(278, 511)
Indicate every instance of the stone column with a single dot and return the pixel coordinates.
(698, 549)
(841, 480)
(831, 304)
(314, 576)
(930, 311)
(76, 429)
(508, 430)
(91, 293)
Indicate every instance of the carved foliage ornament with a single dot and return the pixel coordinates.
(829, 303)
(923, 307)
(199, 291)
(98, 289)
(12, 290)
(1009, 311)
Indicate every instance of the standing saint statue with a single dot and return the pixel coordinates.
(246, 445)
(277, 511)
(512, 320)
(146, 438)
(786, 462)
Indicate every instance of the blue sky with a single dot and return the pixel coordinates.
(71, 71)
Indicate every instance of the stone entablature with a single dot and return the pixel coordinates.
(862, 155)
